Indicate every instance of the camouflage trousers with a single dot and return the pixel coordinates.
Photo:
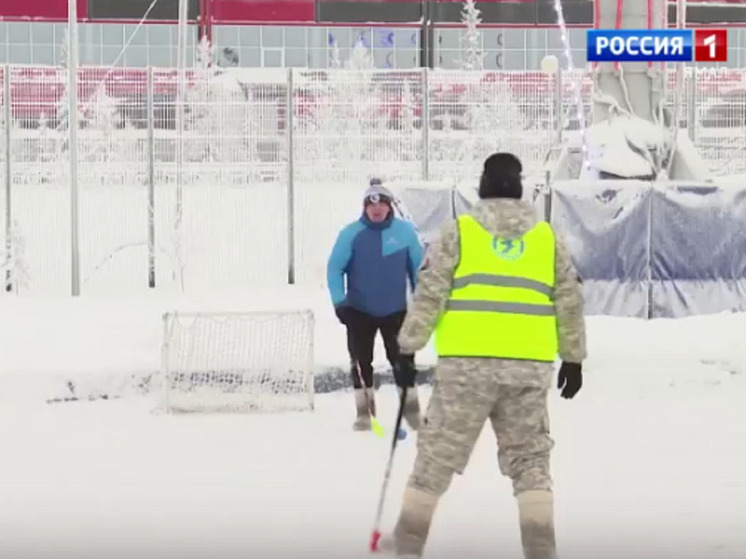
(467, 392)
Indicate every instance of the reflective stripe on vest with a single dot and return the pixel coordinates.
(495, 306)
(503, 281)
(501, 302)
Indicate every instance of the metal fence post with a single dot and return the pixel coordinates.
(180, 127)
(691, 105)
(559, 113)
(425, 124)
(72, 93)
(8, 176)
(289, 124)
(151, 182)
(548, 197)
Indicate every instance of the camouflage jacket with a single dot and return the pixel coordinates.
(506, 218)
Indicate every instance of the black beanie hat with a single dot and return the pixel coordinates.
(501, 177)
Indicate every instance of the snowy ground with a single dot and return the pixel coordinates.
(649, 459)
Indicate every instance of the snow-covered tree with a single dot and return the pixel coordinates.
(101, 126)
(492, 116)
(339, 138)
(15, 268)
(350, 134)
(219, 111)
(319, 126)
(470, 151)
(200, 105)
(63, 103)
(335, 58)
(48, 141)
(473, 55)
(3, 124)
(251, 133)
(361, 59)
(368, 116)
(410, 136)
(205, 54)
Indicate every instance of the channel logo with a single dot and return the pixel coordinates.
(657, 45)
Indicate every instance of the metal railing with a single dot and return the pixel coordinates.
(274, 161)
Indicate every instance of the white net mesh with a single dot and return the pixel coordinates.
(270, 156)
(473, 114)
(39, 180)
(227, 226)
(719, 118)
(112, 179)
(350, 124)
(238, 362)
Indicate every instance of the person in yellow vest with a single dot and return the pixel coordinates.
(501, 295)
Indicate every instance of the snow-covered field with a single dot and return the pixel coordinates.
(649, 459)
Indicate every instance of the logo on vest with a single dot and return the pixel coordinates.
(508, 249)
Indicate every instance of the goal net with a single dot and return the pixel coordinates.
(237, 362)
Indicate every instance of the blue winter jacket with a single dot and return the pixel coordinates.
(377, 259)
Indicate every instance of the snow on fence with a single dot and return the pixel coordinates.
(274, 161)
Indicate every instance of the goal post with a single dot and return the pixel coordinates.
(237, 362)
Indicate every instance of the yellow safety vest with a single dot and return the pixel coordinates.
(501, 302)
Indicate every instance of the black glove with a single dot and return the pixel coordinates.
(407, 370)
(570, 379)
(343, 313)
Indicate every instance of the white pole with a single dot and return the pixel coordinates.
(289, 124)
(151, 182)
(8, 176)
(425, 123)
(679, 92)
(72, 123)
(180, 105)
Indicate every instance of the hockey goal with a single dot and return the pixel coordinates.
(237, 362)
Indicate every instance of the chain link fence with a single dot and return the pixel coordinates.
(261, 167)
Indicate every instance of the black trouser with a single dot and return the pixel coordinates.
(361, 338)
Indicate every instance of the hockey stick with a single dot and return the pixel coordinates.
(375, 535)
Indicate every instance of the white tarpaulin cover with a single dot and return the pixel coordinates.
(655, 250)
(428, 208)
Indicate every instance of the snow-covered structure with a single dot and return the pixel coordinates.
(652, 235)
(632, 135)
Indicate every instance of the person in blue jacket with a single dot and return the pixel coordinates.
(378, 255)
